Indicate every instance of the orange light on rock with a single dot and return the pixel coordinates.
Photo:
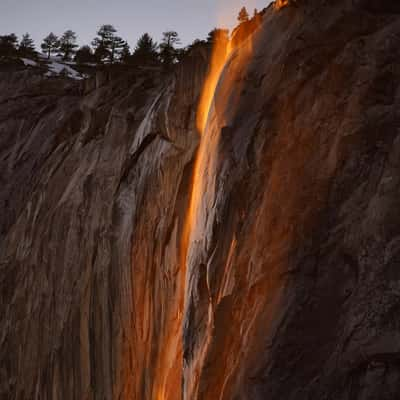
(281, 3)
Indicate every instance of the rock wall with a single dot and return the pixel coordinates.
(290, 287)
(93, 200)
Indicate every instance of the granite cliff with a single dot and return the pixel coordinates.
(284, 285)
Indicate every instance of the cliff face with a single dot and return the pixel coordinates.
(292, 282)
(289, 285)
(93, 197)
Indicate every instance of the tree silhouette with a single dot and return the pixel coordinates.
(50, 44)
(188, 49)
(168, 51)
(117, 48)
(243, 15)
(102, 42)
(101, 53)
(125, 53)
(107, 44)
(146, 50)
(211, 36)
(84, 55)
(8, 45)
(26, 46)
(68, 44)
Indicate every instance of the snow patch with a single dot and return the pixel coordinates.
(57, 68)
(29, 62)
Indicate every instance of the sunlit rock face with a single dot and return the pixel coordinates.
(291, 290)
(286, 285)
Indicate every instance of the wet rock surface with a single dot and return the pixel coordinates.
(291, 288)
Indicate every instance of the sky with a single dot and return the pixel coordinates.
(192, 19)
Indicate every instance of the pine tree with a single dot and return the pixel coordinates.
(27, 46)
(146, 50)
(168, 51)
(243, 15)
(84, 55)
(8, 45)
(125, 53)
(68, 44)
(102, 42)
(50, 44)
(101, 53)
(107, 44)
(188, 49)
(117, 47)
(104, 35)
(211, 36)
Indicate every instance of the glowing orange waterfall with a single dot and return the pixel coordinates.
(223, 48)
(218, 102)
(168, 377)
(209, 119)
(221, 51)
(220, 54)
(205, 155)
